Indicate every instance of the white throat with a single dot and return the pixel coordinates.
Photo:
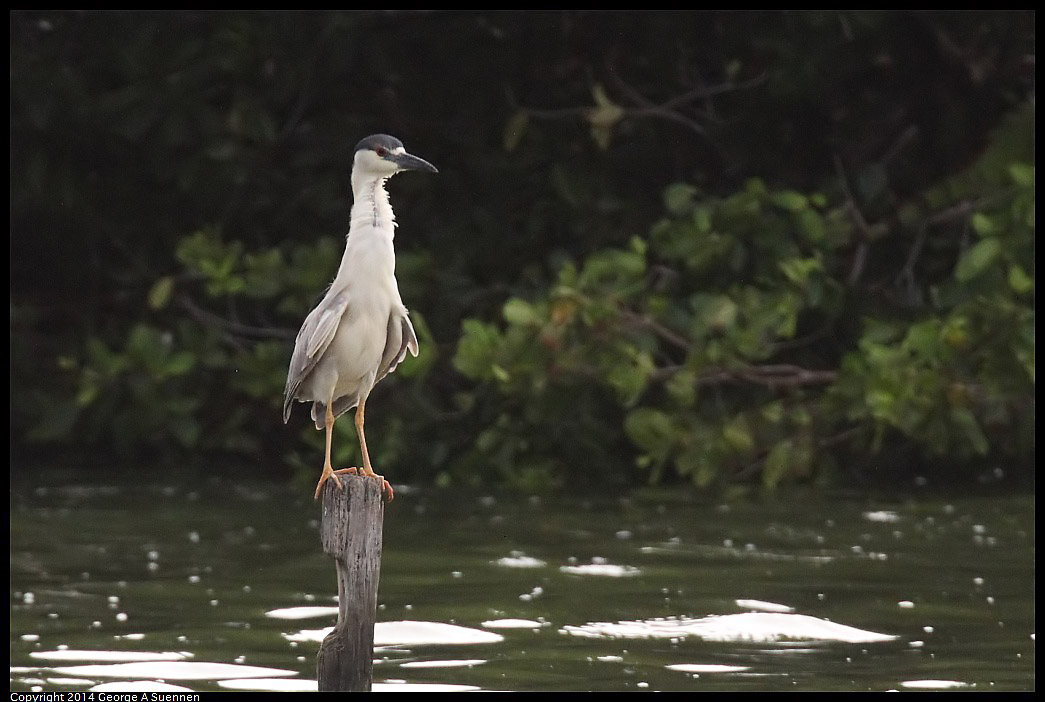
(370, 205)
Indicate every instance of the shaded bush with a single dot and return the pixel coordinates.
(835, 235)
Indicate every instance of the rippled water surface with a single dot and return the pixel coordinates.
(222, 586)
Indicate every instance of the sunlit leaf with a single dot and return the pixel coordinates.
(789, 200)
(1019, 281)
(977, 259)
(160, 293)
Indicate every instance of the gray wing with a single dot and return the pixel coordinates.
(400, 339)
(313, 338)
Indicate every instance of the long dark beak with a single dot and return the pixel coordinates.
(408, 162)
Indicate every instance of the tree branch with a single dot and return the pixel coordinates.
(212, 320)
(769, 375)
(652, 325)
(860, 258)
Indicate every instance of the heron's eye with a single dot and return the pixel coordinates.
(381, 151)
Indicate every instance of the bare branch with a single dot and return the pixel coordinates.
(652, 325)
(704, 92)
(860, 258)
(212, 320)
(769, 375)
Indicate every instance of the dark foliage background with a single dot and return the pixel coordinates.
(735, 248)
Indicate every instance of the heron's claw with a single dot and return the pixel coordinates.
(386, 487)
(327, 473)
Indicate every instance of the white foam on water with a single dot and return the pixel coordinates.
(270, 684)
(520, 562)
(411, 633)
(138, 686)
(302, 612)
(421, 687)
(467, 663)
(601, 569)
(932, 684)
(707, 668)
(882, 515)
(70, 681)
(750, 626)
(761, 606)
(306, 635)
(513, 624)
(110, 656)
(176, 670)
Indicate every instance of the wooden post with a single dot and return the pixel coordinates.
(351, 529)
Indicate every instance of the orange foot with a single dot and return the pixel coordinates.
(327, 473)
(386, 488)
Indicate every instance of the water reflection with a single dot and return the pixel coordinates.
(212, 587)
(932, 684)
(111, 656)
(753, 626)
(163, 670)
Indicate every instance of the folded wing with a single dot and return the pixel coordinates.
(312, 341)
(399, 340)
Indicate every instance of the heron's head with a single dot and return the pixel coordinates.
(384, 156)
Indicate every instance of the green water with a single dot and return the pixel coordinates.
(195, 569)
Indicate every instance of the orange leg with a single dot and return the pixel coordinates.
(368, 469)
(328, 470)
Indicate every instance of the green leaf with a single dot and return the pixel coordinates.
(678, 198)
(1022, 174)
(737, 434)
(603, 117)
(479, 344)
(789, 200)
(520, 312)
(717, 313)
(160, 294)
(1019, 281)
(682, 387)
(702, 219)
(630, 376)
(983, 225)
(811, 225)
(977, 259)
(598, 92)
(89, 391)
(181, 363)
(602, 135)
(773, 411)
(778, 463)
(651, 430)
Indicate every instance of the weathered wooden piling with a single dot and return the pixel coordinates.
(351, 530)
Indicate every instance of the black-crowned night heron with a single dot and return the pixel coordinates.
(360, 331)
